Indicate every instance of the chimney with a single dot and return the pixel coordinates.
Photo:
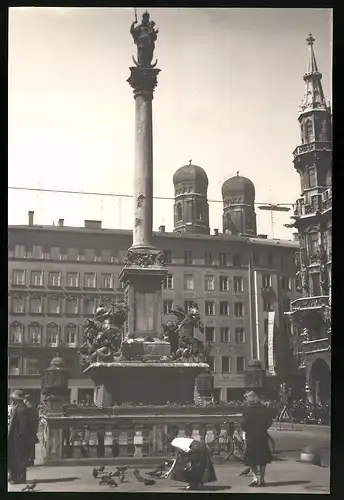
(93, 224)
(216, 232)
(162, 229)
(31, 217)
(296, 236)
(61, 222)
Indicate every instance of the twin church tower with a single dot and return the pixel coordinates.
(312, 160)
(191, 208)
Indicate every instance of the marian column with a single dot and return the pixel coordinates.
(143, 80)
(144, 268)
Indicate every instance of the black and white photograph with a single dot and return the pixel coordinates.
(169, 249)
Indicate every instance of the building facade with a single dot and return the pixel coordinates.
(311, 314)
(58, 275)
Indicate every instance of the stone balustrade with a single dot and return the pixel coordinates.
(310, 303)
(133, 433)
(313, 146)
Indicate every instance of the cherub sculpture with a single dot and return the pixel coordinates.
(186, 346)
(103, 334)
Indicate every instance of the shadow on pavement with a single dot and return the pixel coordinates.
(286, 483)
(216, 488)
(210, 488)
(55, 480)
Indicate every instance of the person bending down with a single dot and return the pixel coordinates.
(193, 464)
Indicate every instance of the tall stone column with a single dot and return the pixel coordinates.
(144, 269)
(143, 81)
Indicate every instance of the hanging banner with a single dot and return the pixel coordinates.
(271, 354)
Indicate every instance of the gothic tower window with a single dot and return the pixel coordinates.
(315, 280)
(309, 131)
(313, 240)
(312, 182)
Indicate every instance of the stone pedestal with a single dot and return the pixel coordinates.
(144, 296)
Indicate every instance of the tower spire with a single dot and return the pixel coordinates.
(314, 98)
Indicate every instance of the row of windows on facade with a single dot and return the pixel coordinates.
(210, 307)
(226, 364)
(54, 335)
(90, 255)
(225, 335)
(107, 280)
(87, 307)
(224, 282)
(33, 366)
(54, 305)
(72, 280)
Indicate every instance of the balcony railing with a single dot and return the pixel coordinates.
(313, 146)
(137, 433)
(305, 303)
(316, 345)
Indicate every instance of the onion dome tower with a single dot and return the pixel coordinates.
(191, 208)
(239, 217)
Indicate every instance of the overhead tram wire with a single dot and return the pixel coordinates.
(121, 195)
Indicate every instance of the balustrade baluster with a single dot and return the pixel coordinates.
(108, 443)
(158, 439)
(93, 443)
(131, 446)
(123, 443)
(100, 445)
(138, 441)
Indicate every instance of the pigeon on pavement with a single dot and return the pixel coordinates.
(30, 487)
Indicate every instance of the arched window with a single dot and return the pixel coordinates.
(16, 333)
(52, 335)
(179, 212)
(70, 336)
(309, 131)
(35, 333)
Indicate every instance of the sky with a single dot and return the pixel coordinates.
(227, 97)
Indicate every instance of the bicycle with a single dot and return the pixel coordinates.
(220, 448)
(227, 443)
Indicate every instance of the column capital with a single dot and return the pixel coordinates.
(143, 81)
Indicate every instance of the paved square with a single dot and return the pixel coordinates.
(283, 476)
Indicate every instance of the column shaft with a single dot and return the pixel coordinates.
(143, 189)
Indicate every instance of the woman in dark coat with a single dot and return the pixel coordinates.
(193, 464)
(256, 421)
(33, 416)
(17, 448)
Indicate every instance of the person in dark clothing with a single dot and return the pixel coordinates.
(33, 416)
(18, 430)
(193, 464)
(256, 421)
